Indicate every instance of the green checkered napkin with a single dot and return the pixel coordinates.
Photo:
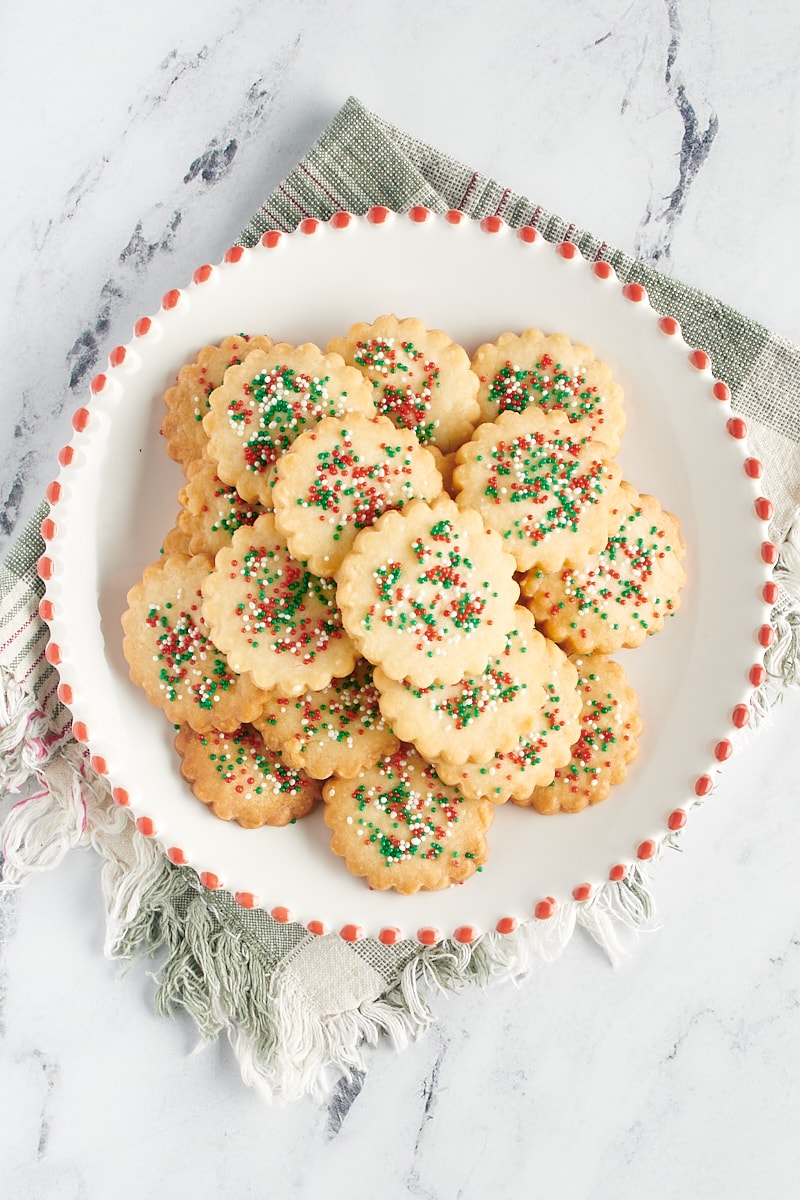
(299, 1009)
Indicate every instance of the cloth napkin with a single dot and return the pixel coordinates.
(299, 1009)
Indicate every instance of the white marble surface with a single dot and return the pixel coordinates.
(136, 144)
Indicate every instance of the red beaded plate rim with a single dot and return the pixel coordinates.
(546, 907)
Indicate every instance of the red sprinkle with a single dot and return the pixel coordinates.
(270, 239)
(668, 325)
(703, 785)
(676, 819)
(202, 274)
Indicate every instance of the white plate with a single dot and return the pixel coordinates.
(116, 498)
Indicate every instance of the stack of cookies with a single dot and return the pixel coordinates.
(393, 586)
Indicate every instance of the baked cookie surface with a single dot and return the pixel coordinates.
(421, 378)
(266, 401)
(339, 730)
(211, 510)
(187, 401)
(171, 653)
(339, 477)
(621, 595)
(428, 593)
(275, 619)
(544, 747)
(398, 826)
(549, 372)
(480, 715)
(549, 496)
(610, 725)
(242, 780)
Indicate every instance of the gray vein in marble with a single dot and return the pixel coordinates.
(430, 1097)
(653, 241)
(634, 78)
(208, 168)
(50, 1074)
(342, 1098)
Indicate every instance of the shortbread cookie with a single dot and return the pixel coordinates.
(482, 714)
(400, 827)
(610, 725)
(266, 401)
(175, 540)
(212, 511)
(187, 401)
(546, 746)
(339, 477)
(421, 378)
(428, 593)
(339, 730)
(273, 617)
(549, 496)
(241, 780)
(621, 595)
(532, 369)
(170, 652)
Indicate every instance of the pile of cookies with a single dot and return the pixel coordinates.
(393, 585)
